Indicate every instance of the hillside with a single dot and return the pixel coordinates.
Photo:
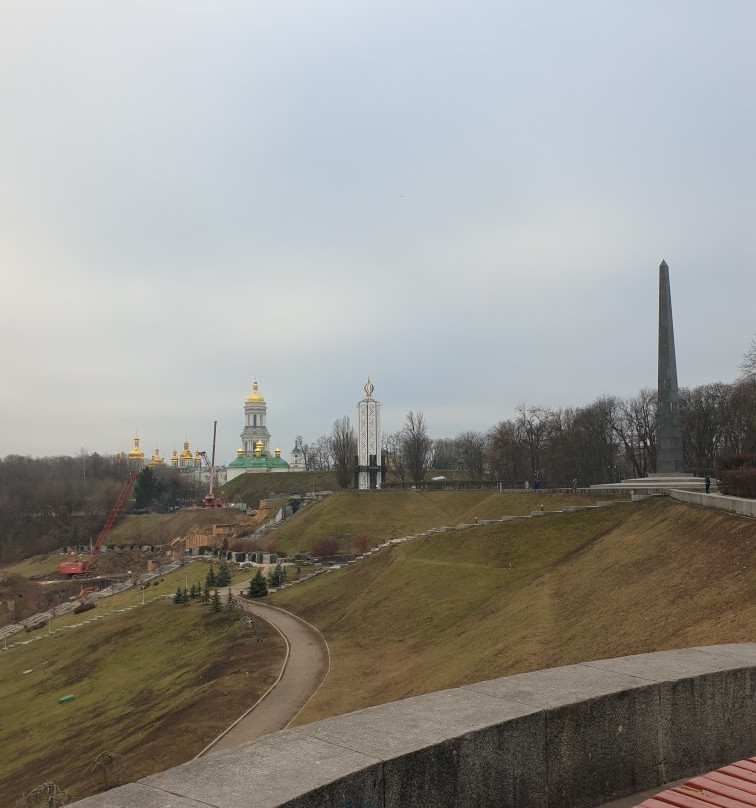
(159, 528)
(464, 606)
(153, 685)
(251, 488)
(384, 515)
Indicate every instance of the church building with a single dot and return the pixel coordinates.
(254, 457)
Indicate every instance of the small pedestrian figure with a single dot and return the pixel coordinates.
(574, 485)
(707, 483)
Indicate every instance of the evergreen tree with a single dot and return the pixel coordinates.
(205, 595)
(224, 575)
(146, 488)
(210, 579)
(258, 588)
(230, 602)
(215, 601)
(277, 576)
(193, 592)
(179, 596)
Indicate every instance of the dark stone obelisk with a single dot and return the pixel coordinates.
(669, 452)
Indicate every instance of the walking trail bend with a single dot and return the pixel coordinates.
(305, 668)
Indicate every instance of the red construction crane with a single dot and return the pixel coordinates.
(210, 500)
(81, 567)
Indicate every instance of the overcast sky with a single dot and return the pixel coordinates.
(466, 200)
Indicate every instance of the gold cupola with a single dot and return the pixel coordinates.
(255, 396)
(157, 459)
(174, 458)
(136, 453)
(197, 459)
(186, 455)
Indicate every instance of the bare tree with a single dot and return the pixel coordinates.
(317, 455)
(343, 448)
(701, 411)
(506, 451)
(445, 454)
(47, 795)
(471, 448)
(534, 422)
(416, 445)
(748, 365)
(107, 770)
(394, 454)
(635, 426)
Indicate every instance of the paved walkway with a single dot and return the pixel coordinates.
(304, 670)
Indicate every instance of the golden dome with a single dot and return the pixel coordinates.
(240, 452)
(278, 452)
(255, 395)
(174, 458)
(186, 454)
(197, 459)
(136, 453)
(157, 459)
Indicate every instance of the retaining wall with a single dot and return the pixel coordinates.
(744, 507)
(559, 738)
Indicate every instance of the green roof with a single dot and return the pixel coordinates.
(264, 461)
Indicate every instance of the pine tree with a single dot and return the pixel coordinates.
(215, 601)
(193, 592)
(205, 595)
(258, 588)
(224, 575)
(277, 576)
(179, 596)
(211, 580)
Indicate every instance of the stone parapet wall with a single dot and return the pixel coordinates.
(739, 505)
(570, 737)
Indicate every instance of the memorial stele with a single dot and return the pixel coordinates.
(369, 469)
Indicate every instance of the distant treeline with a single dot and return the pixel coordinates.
(53, 501)
(610, 439)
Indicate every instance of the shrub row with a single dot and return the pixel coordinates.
(738, 483)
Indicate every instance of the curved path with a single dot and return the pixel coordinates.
(304, 670)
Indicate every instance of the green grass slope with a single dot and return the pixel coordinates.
(490, 601)
(384, 515)
(251, 488)
(153, 685)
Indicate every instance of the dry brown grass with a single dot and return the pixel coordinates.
(153, 685)
(466, 606)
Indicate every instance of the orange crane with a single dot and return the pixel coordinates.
(81, 567)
